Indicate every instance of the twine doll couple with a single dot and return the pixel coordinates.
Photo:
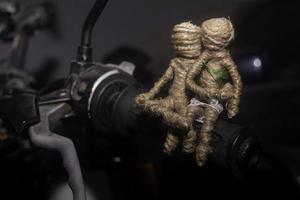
(203, 67)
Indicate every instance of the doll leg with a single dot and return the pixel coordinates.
(157, 107)
(175, 120)
(189, 142)
(165, 108)
(176, 117)
(204, 147)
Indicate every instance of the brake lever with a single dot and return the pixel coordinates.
(41, 136)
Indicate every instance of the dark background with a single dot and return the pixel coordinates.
(145, 25)
(266, 49)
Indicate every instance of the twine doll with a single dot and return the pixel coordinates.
(174, 107)
(209, 79)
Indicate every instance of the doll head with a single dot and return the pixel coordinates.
(186, 40)
(217, 33)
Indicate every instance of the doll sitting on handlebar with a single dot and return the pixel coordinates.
(174, 108)
(209, 79)
(207, 75)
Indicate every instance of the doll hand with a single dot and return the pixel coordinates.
(213, 93)
(232, 109)
(142, 98)
(232, 114)
(226, 92)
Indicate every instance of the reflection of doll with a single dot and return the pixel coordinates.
(209, 79)
(173, 108)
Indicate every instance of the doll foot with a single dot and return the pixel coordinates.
(170, 143)
(189, 142)
(202, 152)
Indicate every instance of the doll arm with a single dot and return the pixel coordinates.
(192, 73)
(168, 75)
(234, 101)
